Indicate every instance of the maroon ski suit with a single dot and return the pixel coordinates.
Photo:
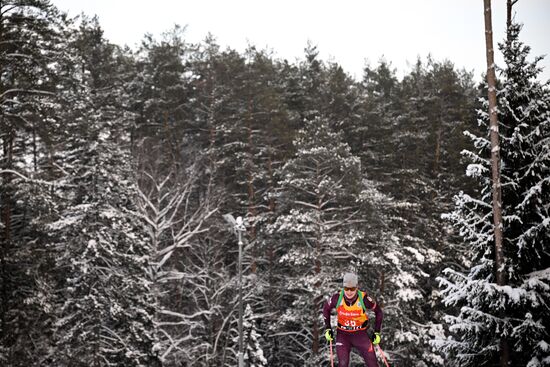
(359, 339)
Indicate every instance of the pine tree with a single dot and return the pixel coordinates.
(31, 34)
(104, 299)
(516, 311)
(342, 104)
(312, 77)
(159, 88)
(379, 109)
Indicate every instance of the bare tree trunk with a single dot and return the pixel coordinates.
(170, 141)
(509, 5)
(4, 206)
(251, 190)
(437, 154)
(5, 219)
(495, 164)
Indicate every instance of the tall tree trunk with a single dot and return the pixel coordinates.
(251, 190)
(5, 219)
(437, 155)
(4, 205)
(509, 5)
(170, 141)
(495, 165)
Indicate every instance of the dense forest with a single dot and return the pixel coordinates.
(117, 166)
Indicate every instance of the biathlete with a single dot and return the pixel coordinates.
(351, 307)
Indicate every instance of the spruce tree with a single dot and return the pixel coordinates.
(517, 310)
(104, 301)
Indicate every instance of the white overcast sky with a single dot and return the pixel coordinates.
(349, 32)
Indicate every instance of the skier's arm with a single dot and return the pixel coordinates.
(327, 307)
(379, 314)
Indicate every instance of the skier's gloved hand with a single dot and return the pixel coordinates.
(329, 335)
(376, 339)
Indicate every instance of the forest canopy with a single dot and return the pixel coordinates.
(117, 166)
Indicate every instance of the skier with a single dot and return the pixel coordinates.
(351, 308)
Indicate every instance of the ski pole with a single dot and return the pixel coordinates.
(331, 355)
(383, 356)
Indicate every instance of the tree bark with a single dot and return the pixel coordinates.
(5, 218)
(495, 165)
(437, 154)
(250, 184)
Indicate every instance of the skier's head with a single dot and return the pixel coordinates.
(350, 284)
(350, 280)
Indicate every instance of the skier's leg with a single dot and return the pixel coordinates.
(362, 342)
(343, 348)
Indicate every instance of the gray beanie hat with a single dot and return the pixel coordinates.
(350, 280)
